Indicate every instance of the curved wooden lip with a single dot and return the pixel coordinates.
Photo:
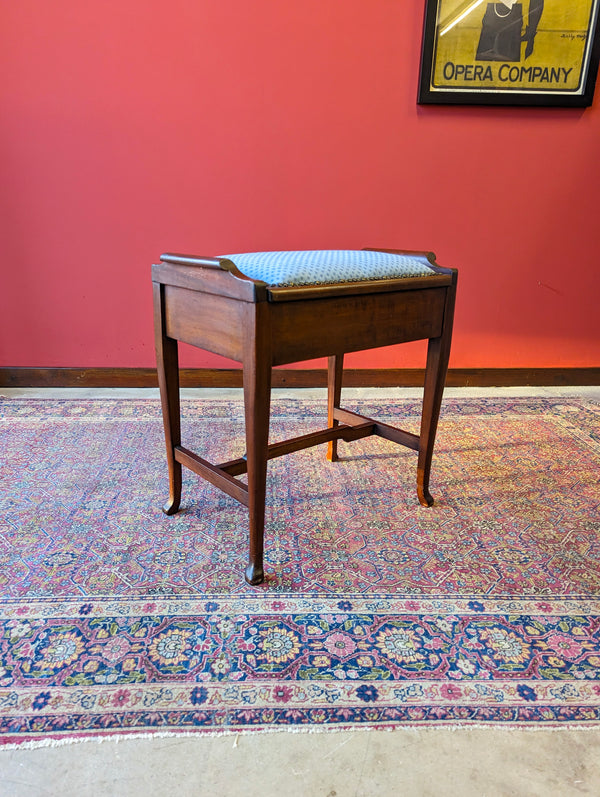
(221, 263)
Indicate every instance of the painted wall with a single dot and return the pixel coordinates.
(210, 126)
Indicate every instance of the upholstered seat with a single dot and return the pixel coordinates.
(270, 308)
(324, 266)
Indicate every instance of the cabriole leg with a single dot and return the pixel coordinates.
(435, 378)
(167, 363)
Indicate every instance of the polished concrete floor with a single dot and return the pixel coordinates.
(405, 762)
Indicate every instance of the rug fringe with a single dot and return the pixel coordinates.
(34, 744)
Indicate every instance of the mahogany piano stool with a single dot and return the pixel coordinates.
(270, 308)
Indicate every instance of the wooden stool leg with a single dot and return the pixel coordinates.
(167, 362)
(335, 369)
(432, 399)
(257, 399)
(438, 353)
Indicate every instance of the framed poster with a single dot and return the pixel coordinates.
(510, 52)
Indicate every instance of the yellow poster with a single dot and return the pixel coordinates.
(534, 47)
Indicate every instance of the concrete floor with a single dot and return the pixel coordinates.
(405, 762)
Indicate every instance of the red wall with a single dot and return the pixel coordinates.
(131, 127)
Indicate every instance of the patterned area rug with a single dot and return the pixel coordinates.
(376, 612)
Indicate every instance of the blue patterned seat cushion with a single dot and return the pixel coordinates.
(323, 266)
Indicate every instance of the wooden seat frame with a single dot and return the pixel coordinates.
(208, 303)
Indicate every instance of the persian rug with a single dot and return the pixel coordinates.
(377, 613)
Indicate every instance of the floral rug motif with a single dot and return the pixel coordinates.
(376, 612)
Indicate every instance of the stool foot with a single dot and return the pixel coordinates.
(255, 574)
(332, 454)
(171, 507)
(425, 497)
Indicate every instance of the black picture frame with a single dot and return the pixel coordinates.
(477, 52)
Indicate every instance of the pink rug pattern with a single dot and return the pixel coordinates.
(376, 612)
